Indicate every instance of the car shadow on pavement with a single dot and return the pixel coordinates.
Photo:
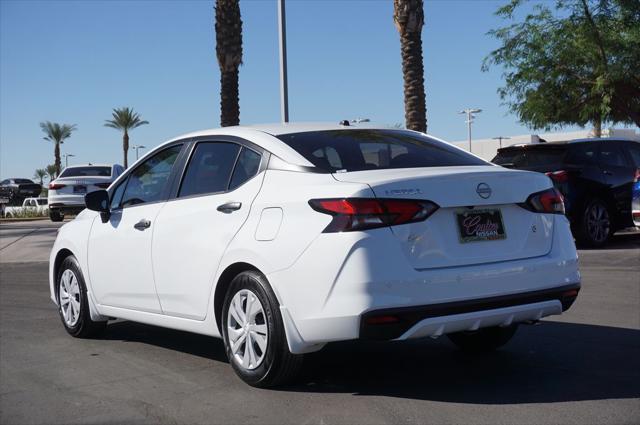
(621, 240)
(185, 342)
(550, 362)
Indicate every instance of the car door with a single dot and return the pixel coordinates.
(194, 229)
(618, 174)
(119, 250)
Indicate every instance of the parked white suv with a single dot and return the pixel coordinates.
(66, 193)
(280, 239)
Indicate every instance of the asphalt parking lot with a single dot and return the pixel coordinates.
(581, 367)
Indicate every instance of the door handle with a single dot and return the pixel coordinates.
(142, 224)
(229, 207)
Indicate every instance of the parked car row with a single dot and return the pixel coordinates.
(37, 206)
(598, 178)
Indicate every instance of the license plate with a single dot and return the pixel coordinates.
(79, 189)
(480, 225)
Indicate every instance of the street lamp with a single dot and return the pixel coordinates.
(136, 147)
(500, 139)
(282, 39)
(66, 159)
(469, 112)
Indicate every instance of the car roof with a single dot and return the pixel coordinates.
(89, 165)
(265, 135)
(562, 143)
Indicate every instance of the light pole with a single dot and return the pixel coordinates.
(66, 159)
(469, 112)
(282, 33)
(500, 139)
(136, 147)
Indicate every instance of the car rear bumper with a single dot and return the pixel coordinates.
(468, 315)
(343, 279)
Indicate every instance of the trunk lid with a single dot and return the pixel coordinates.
(491, 192)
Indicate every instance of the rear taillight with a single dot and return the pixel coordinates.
(558, 176)
(351, 214)
(636, 176)
(102, 185)
(56, 186)
(548, 201)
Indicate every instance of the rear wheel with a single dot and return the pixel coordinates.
(595, 227)
(55, 215)
(253, 333)
(73, 304)
(483, 340)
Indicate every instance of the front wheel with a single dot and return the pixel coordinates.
(73, 304)
(595, 228)
(483, 340)
(253, 333)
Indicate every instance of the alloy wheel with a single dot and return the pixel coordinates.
(69, 294)
(247, 329)
(598, 222)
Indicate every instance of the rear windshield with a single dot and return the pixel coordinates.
(86, 172)
(357, 150)
(22, 181)
(527, 157)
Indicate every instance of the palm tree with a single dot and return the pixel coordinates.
(57, 134)
(125, 119)
(229, 54)
(408, 16)
(51, 172)
(40, 174)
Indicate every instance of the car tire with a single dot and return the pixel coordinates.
(266, 361)
(483, 340)
(595, 226)
(73, 305)
(56, 216)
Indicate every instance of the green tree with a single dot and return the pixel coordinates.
(40, 174)
(51, 172)
(125, 119)
(408, 16)
(57, 134)
(574, 62)
(228, 27)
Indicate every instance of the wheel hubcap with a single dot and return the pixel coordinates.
(598, 223)
(247, 329)
(69, 293)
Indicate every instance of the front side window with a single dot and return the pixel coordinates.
(611, 154)
(209, 169)
(147, 183)
(634, 150)
(356, 150)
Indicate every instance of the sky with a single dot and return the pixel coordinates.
(74, 61)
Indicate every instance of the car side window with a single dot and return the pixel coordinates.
(117, 195)
(634, 151)
(582, 153)
(3, 182)
(209, 169)
(247, 166)
(147, 183)
(611, 154)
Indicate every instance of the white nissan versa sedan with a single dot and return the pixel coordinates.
(280, 239)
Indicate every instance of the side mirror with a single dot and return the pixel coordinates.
(98, 201)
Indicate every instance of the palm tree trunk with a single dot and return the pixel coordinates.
(597, 127)
(56, 154)
(229, 98)
(409, 18)
(125, 148)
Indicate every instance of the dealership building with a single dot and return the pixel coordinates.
(487, 148)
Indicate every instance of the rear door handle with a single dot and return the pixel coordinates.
(230, 207)
(143, 224)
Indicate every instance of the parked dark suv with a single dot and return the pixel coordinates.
(598, 178)
(17, 190)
